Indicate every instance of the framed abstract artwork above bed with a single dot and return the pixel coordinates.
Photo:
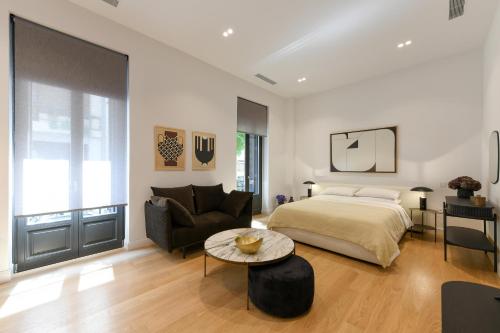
(371, 150)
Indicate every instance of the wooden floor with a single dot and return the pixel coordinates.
(149, 290)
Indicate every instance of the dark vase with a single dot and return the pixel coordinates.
(464, 193)
(291, 199)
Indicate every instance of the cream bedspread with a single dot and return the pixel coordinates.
(374, 225)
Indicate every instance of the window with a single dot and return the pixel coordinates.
(70, 145)
(252, 130)
(70, 128)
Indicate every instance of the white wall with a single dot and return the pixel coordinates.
(491, 101)
(437, 107)
(167, 87)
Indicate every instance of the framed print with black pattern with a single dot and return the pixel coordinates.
(203, 157)
(170, 149)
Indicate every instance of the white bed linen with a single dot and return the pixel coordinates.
(345, 247)
(391, 204)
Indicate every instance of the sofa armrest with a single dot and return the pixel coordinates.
(158, 225)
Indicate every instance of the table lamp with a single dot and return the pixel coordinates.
(423, 199)
(309, 190)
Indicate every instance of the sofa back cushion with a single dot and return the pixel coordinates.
(180, 215)
(208, 198)
(183, 195)
(235, 202)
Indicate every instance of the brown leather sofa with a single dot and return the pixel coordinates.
(177, 218)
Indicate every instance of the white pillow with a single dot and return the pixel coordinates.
(383, 193)
(371, 199)
(340, 190)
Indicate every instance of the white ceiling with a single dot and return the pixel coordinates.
(331, 42)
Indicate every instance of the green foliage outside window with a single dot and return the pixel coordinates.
(240, 143)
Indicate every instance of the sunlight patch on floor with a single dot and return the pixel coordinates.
(95, 275)
(47, 287)
(31, 293)
(37, 282)
(259, 222)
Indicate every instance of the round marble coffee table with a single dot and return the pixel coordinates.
(275, 247)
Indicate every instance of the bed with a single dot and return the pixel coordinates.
(365, 228)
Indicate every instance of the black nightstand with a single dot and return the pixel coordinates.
(419, 228)
(468, 237)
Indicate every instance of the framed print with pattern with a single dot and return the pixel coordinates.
(170, 149)
(372, 150)
(203, 157)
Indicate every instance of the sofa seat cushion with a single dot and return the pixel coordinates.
(203, 228)
(205, 225)
(208, 198)
(219, 220)
(183, 195)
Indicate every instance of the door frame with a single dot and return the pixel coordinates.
(257, 199)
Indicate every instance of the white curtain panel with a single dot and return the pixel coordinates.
(70, 122)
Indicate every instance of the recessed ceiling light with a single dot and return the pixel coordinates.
(228, 32)
(407, 43)
(302, 79)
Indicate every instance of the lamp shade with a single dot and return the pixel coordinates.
(422, 189)
(308, 182)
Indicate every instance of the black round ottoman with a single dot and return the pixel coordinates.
(284, 289)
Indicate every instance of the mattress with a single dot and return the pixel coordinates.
(364, 228)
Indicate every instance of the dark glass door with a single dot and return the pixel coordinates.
(249, 167)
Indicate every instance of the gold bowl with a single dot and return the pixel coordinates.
(248, 244)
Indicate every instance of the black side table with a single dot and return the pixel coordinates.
(469, 307)
(468, 237)
(419, 228)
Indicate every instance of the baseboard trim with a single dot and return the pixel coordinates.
(5, 276)
(137, 244)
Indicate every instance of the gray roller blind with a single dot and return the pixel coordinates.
(70, 122)
(53, 58)
(252, 117)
